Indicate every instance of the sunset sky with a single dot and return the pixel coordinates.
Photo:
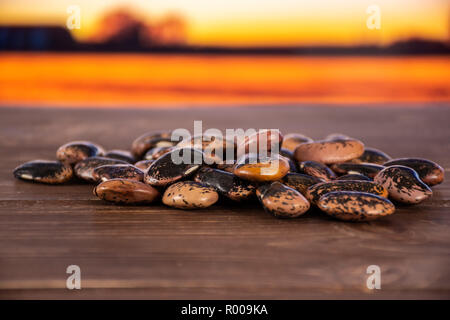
(256, 22)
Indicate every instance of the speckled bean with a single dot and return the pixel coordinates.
(76, 151)
(355, 206)
(328, 152)
(316, 169)
(429, 172)
(282, 201)
(44, 171)
(118, 171)
(85, 168)
(189, 195)
(404, 184)
(254, 168)
(368, 169)
(225, 183)
(126, 192)
(316, 191)
(164, 171)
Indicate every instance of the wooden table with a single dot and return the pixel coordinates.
(224, 252)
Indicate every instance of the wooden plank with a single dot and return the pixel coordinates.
(229, 250)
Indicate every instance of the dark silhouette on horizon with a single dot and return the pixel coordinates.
(169, 38)
(122, 28)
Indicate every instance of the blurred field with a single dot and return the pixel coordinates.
(142, 80)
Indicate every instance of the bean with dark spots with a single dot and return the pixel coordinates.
(255, 168)
(367, 169)
(372, 155)
(75, 151)
(44, 171)
(429, 172)
(404, 184)
(225, 183)
(150, 140)
(189, 195)
(215, 149)
(126, 192)
(329, 151)
(261, 189)
(300, 182)
(165, 170)
(118, 171)
(316, 191)
(316, 169)
(85, 168)
(355, 206)
(282, 201)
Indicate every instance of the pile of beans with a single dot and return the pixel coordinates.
(338, 175)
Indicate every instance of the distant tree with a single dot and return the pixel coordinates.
(170, 30)
(120, 27)
(123, 27)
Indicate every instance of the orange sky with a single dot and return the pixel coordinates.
(257, 22)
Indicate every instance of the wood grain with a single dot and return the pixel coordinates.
(228, 251)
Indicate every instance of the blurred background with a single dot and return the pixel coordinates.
(178, 52)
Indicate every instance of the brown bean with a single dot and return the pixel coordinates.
(404, 184)
(368, 169)
(165, 171)
(355, 205)
(300, 182)
(150, 140)
(372, 155)
(282, 201)
(215, 149)
(44, 171)
(225, 183)
(254, 168)
(429, 172)
(189, 195)
(329, 152)
(262, 141)
(292, 140)
(126, 191)
(85, 168)
(118, 171)
(316, 169)
(316, 191)
(76, 151)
